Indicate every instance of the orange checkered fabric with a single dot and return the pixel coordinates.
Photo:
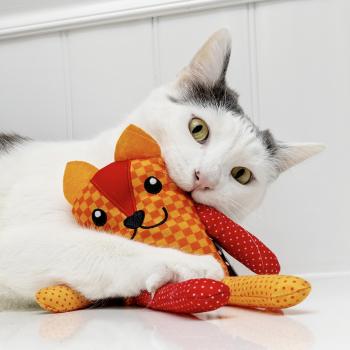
(183, 228)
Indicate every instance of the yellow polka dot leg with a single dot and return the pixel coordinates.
(61, 298)
(267, 291)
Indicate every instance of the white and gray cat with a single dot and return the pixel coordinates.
(211, 149)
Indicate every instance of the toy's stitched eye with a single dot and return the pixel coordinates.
(153, 185)
(99, 217)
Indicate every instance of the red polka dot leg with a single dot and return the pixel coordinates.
(192, 296)
(238, 242)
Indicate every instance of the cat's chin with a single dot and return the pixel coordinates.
(186, 187)
(210, 198)
(182, 178)
(200, 197)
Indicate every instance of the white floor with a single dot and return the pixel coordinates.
(321, 322)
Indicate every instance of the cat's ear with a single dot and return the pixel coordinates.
(209, 65)
(134, 143)
(76, 176)
(290, 154)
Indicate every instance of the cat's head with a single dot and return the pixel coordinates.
(211, 148)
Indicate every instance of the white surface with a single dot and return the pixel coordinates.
(290, 63)
(321, 322)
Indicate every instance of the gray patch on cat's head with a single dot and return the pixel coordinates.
(268, 141)
(221, 96)
(218, 95)
(9, 141)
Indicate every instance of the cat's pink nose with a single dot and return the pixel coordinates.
(203, 181)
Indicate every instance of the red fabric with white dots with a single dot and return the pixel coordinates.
(238, 242)
(192, 296)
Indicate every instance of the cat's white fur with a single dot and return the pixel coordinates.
(40, 243)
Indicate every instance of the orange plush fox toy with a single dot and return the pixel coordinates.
(134, 197)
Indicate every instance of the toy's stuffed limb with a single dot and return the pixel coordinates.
(192, 296)
(61, 298)
(238, 242)
(267, 291)
(198, 295)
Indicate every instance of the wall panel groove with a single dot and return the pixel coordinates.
(253, 64)
(155, 51)
(64, 37)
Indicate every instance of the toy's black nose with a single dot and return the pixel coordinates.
(135, 220)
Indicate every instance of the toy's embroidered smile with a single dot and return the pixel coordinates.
(159, 223)
(135, 221)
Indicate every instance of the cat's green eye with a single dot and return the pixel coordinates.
(199, 129)
(242, 175)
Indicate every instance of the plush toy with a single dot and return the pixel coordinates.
(134, 197)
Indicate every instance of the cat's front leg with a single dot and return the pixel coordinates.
(137, 267)
(96, 264)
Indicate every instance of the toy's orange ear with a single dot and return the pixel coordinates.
(76, 177)
(134, 143)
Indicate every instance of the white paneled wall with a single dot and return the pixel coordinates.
(304, 89)
(111, 70)
(32, 89)
(290, 64)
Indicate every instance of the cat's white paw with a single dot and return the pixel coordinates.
(148, 271)
(182, 268)
(194, 266)
(162, 275)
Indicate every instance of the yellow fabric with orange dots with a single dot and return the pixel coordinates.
(267, 291)
(263, 291)
(61, 298)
